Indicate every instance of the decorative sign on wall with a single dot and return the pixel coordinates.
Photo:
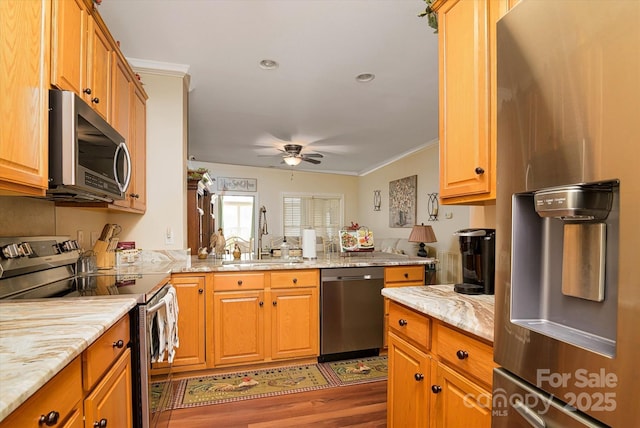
(238, 184)
(403, 199)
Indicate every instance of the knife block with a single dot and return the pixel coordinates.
(105, 259)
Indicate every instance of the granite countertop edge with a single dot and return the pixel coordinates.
(473, 314)
(39, 338)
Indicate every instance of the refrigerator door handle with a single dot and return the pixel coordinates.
(528, 414)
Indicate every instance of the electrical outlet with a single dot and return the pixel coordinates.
(448, 215)
(168, 237)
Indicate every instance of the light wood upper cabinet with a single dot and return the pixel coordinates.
(129, 118)
(69, 45)
(467, 96)
(97, 92)
(24, 103)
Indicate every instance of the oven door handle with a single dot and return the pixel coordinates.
(155, 308)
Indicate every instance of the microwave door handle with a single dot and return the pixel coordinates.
(122, 187)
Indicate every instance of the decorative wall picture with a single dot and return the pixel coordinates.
(403, 199)
(238, 184)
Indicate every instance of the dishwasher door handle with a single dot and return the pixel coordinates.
(353, 278)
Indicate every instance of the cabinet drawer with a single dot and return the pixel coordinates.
(403, 275)
(410, 325)
(296, 278)
(238, 281)
(103, 352)
(465, 353)
(62, 394)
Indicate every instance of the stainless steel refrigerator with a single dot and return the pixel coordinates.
(567, 333)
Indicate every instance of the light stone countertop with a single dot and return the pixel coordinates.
(39, 338)
(471, 313)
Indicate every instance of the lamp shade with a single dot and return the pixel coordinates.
(422, 233)
(292, 160)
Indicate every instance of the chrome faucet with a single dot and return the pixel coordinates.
(262, 226)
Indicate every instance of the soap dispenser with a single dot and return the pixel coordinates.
(284, 249)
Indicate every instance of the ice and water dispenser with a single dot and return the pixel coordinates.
(564, 263)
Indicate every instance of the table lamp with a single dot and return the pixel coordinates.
(421, 233)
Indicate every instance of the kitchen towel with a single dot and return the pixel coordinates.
(309, 243)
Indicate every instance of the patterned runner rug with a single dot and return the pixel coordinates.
(227, 387)
(351, 372)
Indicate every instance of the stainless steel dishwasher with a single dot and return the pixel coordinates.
(351, 312)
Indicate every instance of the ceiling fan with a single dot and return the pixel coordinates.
(292, 155)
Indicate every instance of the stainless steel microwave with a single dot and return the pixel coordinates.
(88, 158)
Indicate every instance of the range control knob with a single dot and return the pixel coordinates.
(11, 251)
(26, 249)
(69, 245)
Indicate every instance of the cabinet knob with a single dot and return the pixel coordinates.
(239, 282)
(402, 322)
(479, 170)
(406, 275)
(102, 423)
(295, 280)
(275, 303)
(260, 303)
(95, 100)
(134, 195)
(87, 91)
(436, 389)
(50, 419)
(200, 291)
(418, 376)
(119, 344)
(462, 354)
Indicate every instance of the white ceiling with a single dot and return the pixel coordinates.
(241, 114)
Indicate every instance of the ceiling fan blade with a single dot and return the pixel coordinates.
(313, 161)
(313, 155)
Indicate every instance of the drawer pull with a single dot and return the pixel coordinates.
(295, 280)
(418, 376)
(406, 275)
(119, 344)
(436, 389)
(50, 419)
(102, 423)
(239, 282)
(402, 322)
(462, 354)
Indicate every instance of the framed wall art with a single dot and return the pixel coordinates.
(403, 199)
(238, 184)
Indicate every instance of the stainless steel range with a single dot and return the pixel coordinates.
(46, 267)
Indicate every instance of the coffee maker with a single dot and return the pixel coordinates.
(477, 250)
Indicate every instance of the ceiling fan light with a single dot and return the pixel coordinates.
(292, 160)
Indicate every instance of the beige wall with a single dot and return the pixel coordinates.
(424, 164)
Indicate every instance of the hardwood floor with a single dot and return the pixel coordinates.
(348, 406)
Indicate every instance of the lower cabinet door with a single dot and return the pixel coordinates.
(238, 327)
(458, 402)
(408, 383)
(294, 323)
(109, 404)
